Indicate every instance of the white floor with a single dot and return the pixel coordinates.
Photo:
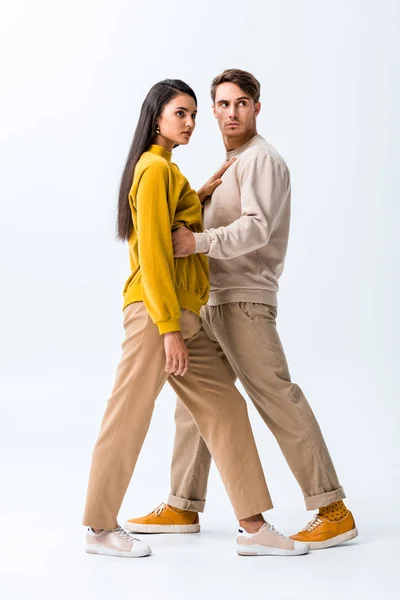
(46, 442)
(45, 560)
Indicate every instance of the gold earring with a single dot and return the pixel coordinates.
(157, 130)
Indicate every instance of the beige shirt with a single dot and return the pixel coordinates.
(246, 225)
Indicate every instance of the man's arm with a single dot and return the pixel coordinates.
(264, 188)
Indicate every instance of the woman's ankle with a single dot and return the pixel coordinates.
(252, 524)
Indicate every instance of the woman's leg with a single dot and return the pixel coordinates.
(140, 378)
(221, 415)
(191, 458)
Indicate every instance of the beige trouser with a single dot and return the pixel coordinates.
(245, 337)
(208, 394)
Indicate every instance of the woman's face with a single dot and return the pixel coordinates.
(177, 121)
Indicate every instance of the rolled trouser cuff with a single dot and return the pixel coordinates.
(199, 505)
(186, 503)
(320, 500)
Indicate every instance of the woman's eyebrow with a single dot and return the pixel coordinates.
(185, 109)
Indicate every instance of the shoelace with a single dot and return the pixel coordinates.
(159, 509)
(315, 522)
(273, 530)
(127, 537)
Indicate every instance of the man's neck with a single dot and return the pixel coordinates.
(234, 143)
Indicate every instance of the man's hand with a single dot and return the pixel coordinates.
(183, 242)
(207, 189)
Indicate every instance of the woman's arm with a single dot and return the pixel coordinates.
(155, 248)
(207, 189)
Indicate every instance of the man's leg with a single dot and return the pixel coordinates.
(190, 464)
(248, 336)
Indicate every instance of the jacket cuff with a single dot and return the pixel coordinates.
(168, 325)
(203, 242)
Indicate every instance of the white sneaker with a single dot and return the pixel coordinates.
(116, 542)
(268, 542)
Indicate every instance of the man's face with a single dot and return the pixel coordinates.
(235, 111)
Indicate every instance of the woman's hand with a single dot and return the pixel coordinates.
(176, 353)
(207, 189)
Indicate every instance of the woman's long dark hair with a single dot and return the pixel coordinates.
(159, 95)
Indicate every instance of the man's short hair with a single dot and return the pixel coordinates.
(245, 80)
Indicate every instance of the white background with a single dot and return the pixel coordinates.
(73, 77)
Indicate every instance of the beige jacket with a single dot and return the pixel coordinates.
(246, 225)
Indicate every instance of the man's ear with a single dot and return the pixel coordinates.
(213, 109)
(257, 108)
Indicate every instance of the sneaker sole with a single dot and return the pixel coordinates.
(258, 550)
(339, 539)
(102, 550)
(140, 528)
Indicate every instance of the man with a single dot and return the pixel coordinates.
(246, 229)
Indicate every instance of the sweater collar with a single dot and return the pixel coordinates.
(239, 150)
(156, 149)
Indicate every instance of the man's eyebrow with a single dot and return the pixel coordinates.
(236, 99)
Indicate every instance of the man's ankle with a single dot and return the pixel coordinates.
(182, 510)
(252, 524)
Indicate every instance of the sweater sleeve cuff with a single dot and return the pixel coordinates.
(168, 325)
(203, 242)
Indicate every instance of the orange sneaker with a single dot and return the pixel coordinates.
(322, 533)
(166, 519)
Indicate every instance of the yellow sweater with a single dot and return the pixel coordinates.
(162, 200)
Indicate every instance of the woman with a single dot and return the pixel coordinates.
(164, 338)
